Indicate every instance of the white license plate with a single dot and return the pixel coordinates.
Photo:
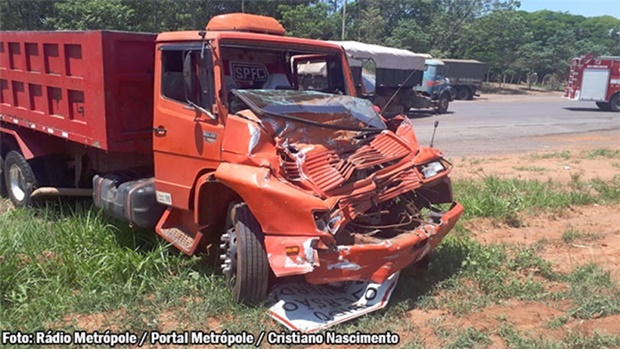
(309, 308)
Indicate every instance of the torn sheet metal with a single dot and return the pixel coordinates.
(304, 307)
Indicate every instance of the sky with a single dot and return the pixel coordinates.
(588, 8)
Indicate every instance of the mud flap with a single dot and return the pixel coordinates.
(305, 307)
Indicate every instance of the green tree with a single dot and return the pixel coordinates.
(495, 38)
(409, 35)
(314, 21)
(25, 15)
(603, 30)
(91, 14)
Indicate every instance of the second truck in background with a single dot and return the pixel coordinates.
(465, 75)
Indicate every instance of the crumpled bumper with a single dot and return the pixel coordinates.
(374, 261)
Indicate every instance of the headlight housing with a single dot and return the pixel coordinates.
(431, 169)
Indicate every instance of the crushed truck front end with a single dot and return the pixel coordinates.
(339, 192)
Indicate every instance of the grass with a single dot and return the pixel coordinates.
(506, 199)
(520, 340)
(530, 168)
(470, 338)
(602, 153)
(603, 294)
(65, 261)
(564, 154)
(475, 275)
(571, 235)
(60, 261)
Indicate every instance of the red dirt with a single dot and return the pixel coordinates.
(598, 242)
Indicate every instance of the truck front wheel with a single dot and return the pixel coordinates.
(245, 264)
(442, 103)
(19, 179)
(614, 103)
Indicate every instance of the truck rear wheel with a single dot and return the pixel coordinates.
(245, 264)
(465, 93)
(603, 106)
(19, 179)
(614, 103)
(454, 92)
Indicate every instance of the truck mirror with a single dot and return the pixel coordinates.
(189, 77)
(194, 96)
(369, 77)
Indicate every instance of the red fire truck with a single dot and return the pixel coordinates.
(595, 78)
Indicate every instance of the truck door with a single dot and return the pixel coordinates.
(186, 132)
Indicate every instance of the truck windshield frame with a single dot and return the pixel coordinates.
(276, 59)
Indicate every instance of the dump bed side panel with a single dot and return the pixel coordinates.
(70, 85)
(128, 70)
(466, 72)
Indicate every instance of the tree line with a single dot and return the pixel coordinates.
(514, 43)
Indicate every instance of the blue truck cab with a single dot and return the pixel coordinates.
(434, 81)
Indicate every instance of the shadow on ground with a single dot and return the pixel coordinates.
(587, 109)
(419, 114)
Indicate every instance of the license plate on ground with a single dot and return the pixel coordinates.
(309, 308)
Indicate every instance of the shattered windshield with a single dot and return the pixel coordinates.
(322, 109)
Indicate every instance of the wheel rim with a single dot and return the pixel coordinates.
(617, 103)
(17, 183)
(229, 258)
(444, 103)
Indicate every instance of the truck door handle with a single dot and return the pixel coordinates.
(160, 131)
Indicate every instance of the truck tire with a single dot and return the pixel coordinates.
(465, 93)
(614, 103)
(19, 179)
(443, 103)
(3, 192)
(454, 92)
(245, 265)
(603, 106)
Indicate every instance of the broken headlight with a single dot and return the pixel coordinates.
(329, 221)
(431, 169)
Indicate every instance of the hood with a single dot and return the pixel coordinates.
(329, 142)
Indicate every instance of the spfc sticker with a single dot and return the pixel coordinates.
(249, 72)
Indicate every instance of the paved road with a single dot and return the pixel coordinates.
(521, 124)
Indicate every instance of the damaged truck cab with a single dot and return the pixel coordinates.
(277, 172)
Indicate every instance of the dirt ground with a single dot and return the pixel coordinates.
(512, 93)
(599, 243)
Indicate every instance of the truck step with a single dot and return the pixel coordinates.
(182, 240)
(172, 228)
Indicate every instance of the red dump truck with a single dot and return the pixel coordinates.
(595, 78)
(211, 139)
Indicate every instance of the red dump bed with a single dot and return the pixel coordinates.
(91, 87)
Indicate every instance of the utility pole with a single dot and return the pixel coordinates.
(242, 6)
(344, 15)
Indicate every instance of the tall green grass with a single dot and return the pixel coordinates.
(63, 260)
(506, 199)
